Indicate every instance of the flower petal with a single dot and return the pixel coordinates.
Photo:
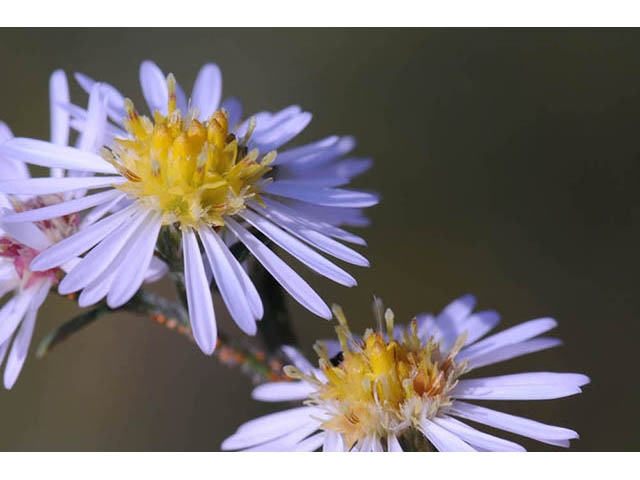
(511, 423)
(61, 209)
(442, 439)
(299, 250)
(207, 90)
(230, 286)
(136, 262)
(282, 391)
(154, 87)
(46, 154)
(477, 438)
(328, 197)
(203, 320)
(290, 280)
(47, 185)
(81, 241)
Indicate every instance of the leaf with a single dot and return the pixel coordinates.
(67, 329)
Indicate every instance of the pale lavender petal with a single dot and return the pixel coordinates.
(134, 266)
(521, 386)
(328, 197)
(511, 423)
(229, 285)
(442, 439)
(43, 186)
(234, 109)
(477, 438)
(81, 241)
(59, 93)
(46, 154)
(299, 250)
(20, 346)
(333, 442)
(154, 87)
(102, 255)
(203, 320)
(512, 335)
(207, 90)
(512, 351)
(282, 391)
(290, 280)
(63, 208)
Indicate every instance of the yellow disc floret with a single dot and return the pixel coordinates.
(190, 171)
(381, 385)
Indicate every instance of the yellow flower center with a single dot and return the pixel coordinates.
(379, 385)
(190, 171)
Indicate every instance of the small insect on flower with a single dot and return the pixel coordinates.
(194, 169)
(402, 388)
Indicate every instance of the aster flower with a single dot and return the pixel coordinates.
(404, 388)
(21, 242)
(194, 166)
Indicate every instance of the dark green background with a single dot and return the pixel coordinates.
(508, 163)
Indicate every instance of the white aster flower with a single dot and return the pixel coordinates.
(21, 242)
(196, 166)
(404, 388)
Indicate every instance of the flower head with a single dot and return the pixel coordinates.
(196, 170)
(402, 387)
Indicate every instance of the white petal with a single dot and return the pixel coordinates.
(282, 133)
(28, 234)
(13, 311)
(20, 346)
(135, 264)
(289, 442)
(479, 324)
(333, 442)
(290, 280)
(512, 335)
(61, 209)
(282, 391)
(203, 320)
(45, 154)
(102, 255)
(393, 445)
(511, 423)
(207, 90)
(309, 151)
(298, 359)
(299, 250)
(230, 286)
(157, 270)
(59, 93)
(329, 197)
(512, 351)
(313, 223)
(322, 242)
(521, 386)
(115, 99)
(101, 210)
(43, 186)
(442, 439)
(154, 87)
(90, 138)
(81, 241)
(234, 109)
(477, 438)
(269, 427)
(310, 444)
(448, 321)
(5, 133)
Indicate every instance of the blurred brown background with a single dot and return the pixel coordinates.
(508, 162)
